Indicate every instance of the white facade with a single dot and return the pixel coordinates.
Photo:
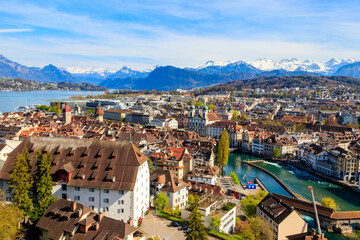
(205, 179)
(170, 123)
(118, 204)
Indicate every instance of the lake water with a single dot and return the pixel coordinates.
(11, 100)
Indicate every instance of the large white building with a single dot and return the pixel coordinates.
(111, 177)
(165, 122)
(199, 118)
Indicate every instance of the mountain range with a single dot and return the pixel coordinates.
(170, 77)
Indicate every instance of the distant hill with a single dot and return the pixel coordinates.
(292, 81)
(351, 70)
(50, 73)
(170, 78)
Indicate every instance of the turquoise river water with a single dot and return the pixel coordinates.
(297, 180)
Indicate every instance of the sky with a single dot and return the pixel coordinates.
(142, 34)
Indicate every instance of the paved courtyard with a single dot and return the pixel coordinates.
(155, 226)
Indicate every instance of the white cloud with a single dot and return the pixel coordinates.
(15, 30)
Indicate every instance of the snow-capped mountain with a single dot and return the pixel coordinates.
(92, 70)
(294, 64)
(212, 67)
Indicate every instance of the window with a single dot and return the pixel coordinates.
(77, 198)
(91, 190)
(63, 187)
(91, 199)
(106, 200)
(120, 210)
(92, 207)
(121, 192)
(106, 190)
(8, 199)
(77, 189)
(120, 202)
(105, 209)
(63, 196)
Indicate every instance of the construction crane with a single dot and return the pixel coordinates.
(316, 214)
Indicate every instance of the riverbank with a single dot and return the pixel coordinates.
(302, 167)
(327, 178)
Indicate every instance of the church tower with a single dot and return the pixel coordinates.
(67, 114)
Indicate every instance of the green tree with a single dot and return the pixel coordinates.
(234, 177)
(215, 222)
(211, 107)
(42, 185)
(235, 115)
(329, 202)
(300, 128)
(10, 216)
(256, 229)
(191, 199)
(276, 153)
(42, 107)
(223, 149)
(243, 116)
(199, 104)
(161, 200)
(249, 203)
(20, 183)
(196, 224)
(151, 166)
(58, 108)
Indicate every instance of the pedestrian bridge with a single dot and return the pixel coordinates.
(326, 215)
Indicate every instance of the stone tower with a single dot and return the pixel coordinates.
(77, 110)
(99, 114)
(66, 114)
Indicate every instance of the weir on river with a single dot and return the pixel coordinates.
(296, 180)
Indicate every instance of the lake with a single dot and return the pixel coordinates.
(9, 101)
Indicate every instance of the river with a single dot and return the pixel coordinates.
(297, 180)
(11, 100)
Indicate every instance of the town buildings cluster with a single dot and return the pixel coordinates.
(117, 157)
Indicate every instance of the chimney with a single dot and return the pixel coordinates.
(101, 215)
(79, 212)
(131, 222)
(97, 225)
(73, 206)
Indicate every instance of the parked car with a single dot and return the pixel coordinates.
(182, 227)
(173, 224)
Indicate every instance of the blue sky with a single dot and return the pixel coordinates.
(142, 34)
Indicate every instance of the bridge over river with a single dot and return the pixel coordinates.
(327, 216)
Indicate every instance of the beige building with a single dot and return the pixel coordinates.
(282, 219)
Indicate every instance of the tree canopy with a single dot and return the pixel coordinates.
(10, 216)
(223, 149)
(234, 177)
(276, 153)
(42, 185)
(249, 203)
(20, 183)
(196, 224)
(329, 202)
(161, 200)
(235, 115)
(199, 104)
